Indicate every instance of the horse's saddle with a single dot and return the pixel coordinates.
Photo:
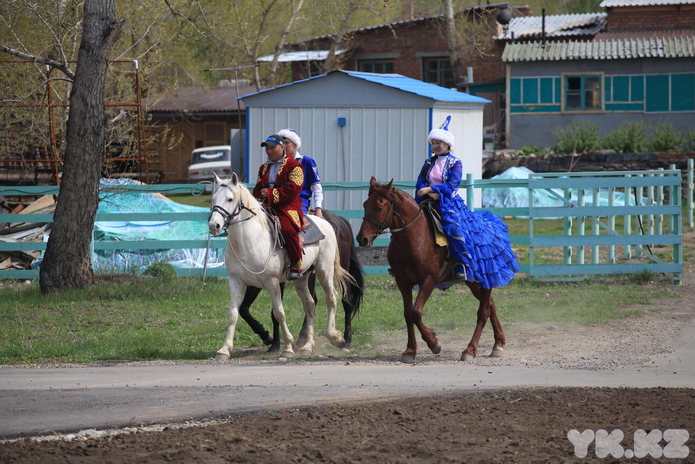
(307, 236)
(311, 234)
(432, 213)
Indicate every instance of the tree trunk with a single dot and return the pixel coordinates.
(67, 261)
(452, 41)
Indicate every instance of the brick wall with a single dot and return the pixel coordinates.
(410, 40)
(645, 18)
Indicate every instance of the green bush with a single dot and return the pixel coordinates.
(627, 138)
(531, 150)
(666, 138)
(161, 270)
(689, 141)
(580, 136)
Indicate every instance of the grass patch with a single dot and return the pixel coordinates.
(148, 318)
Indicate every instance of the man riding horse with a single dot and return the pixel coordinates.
(279, 183)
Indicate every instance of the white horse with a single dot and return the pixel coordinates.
(253, 258)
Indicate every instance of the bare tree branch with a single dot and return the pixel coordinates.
(36, 59)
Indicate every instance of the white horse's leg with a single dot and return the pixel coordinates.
(332, 334)
(236, 289)
(279, 313)
(307, 341)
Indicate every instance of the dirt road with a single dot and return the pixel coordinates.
(621, 377)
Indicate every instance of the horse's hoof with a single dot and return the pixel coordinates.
(268, 341)
(465, 357)
(287, 354)
(497, 352)
(436, 349)
(273, 349)
(408, 359)
(221, 357)
(306, 351)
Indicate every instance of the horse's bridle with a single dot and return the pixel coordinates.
(227, 217)
(392, 211)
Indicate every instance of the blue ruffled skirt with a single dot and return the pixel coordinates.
(480, 241)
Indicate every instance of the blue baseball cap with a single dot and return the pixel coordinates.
(273, 140)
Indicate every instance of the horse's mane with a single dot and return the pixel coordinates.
(247, 198)
(402, 195)
(406, 196)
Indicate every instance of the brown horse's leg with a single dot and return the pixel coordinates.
(500, 340)
(413, 318)
(483, 296)
(408, 355)
(428, 335)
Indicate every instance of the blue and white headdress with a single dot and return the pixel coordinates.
(292, 135)
(442, 133)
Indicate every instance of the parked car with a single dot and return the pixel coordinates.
(208, 160)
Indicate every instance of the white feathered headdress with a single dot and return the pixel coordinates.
(442, 133)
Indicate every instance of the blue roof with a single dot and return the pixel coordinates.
(408, 84)
(400, 82)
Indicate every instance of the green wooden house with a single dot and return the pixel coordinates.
(641, 68)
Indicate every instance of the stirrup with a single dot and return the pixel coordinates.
(294, 274)
(459, 272)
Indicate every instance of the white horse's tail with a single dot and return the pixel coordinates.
(342, 276)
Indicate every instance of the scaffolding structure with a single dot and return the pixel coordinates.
(47, 158)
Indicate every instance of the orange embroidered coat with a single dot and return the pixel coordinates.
(284, 195)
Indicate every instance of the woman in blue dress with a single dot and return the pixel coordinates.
(478, 240)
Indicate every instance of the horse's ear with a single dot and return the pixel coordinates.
(373, 182)
(235, 178)
(216, 180)
(389, 186)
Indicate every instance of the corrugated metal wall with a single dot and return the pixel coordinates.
(386, 143)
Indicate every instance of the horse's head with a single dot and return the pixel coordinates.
(225, 203)
(378, 212)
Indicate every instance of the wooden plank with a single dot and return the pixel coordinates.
(43, 202)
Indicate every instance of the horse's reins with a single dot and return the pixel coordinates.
(392, 211)
(227, 217)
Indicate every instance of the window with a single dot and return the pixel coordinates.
(438, 71)
(375, 66)
(582, 93)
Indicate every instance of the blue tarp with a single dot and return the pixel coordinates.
(128, 260)
(123, 261)
(518, 197)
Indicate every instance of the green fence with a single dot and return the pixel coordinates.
(598, 238)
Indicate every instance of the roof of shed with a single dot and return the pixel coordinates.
(398, 82)
(614, 3)
(665, 47)
(222, 98)
(566, 25)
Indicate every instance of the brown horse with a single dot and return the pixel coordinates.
(415, 259)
